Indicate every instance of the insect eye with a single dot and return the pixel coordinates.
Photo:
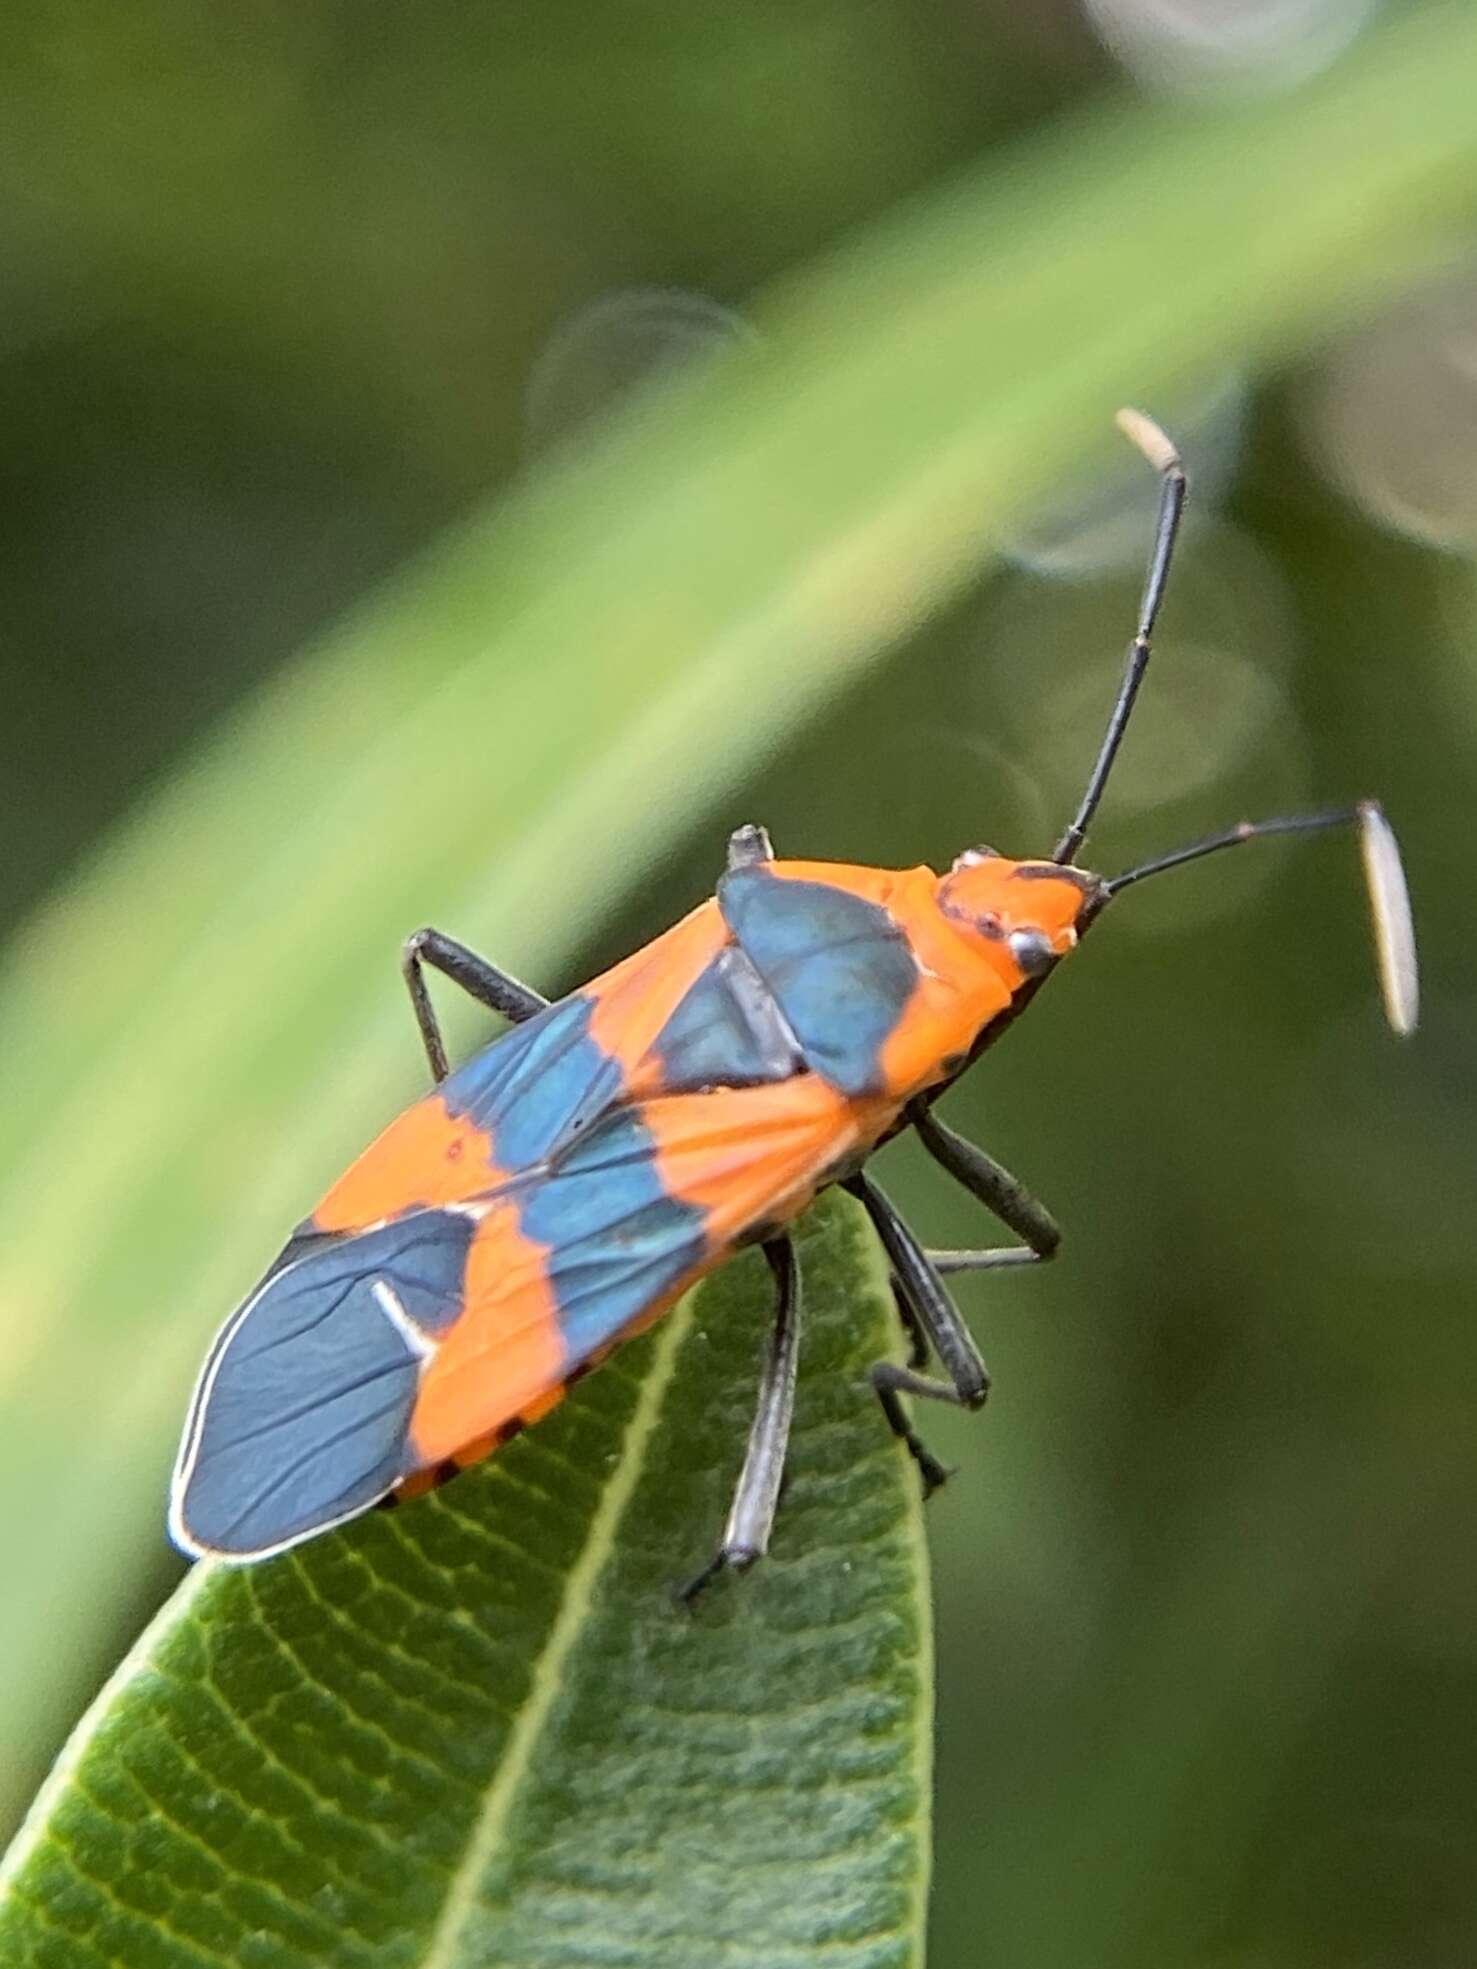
(1032, 950)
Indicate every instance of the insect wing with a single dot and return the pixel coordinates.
(521, 1099)
(516, 1223)
(301, 1415)
(837, 966)
(581, 1254)
(573, 1257)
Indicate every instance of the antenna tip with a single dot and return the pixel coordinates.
(1143, 432)
(1389, 907)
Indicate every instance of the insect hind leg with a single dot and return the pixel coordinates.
(931, 1313)
(751, 1515)
(913, 1330)
(890, 1382)
(498, 990)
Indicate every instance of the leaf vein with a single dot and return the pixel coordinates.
(545, 1681)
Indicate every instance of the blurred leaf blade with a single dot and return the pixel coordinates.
(505, 737)
(481, 1728)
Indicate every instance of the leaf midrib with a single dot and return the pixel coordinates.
(442, 1951)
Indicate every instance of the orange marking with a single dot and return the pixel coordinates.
(751, 1155)
(872, 884)
(961, 934)
(504, 1356)
(425, 1157)
(958, 925)
(1013, 895)
(634, 1001)
(539, 1407)
(474, 1452)
(965, 979)
(960, 988)
(744, 1156)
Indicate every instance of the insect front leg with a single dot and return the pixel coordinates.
(751, 1515)
(483, 981)
(997, 1190)
(934, 1314)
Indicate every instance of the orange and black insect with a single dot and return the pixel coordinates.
(563, 1187)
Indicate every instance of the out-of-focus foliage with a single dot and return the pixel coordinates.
(274, 294)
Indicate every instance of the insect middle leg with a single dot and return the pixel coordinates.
(491, 987)
(751, 1515)
(932, 1314)
(1000, 1192)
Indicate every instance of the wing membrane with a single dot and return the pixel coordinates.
(300, 1417)
(594, 1247)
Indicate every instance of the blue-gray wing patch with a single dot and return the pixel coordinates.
(727, 1032)
(616, 1239)
(838, 967)
(302, 1411)
(538, 1085)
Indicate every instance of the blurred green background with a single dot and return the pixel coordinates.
(288, 293)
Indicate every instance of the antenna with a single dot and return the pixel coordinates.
(1384, 878)
(1161, 454)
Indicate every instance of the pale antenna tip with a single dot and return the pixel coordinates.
(1389, 908)
(1150, 440)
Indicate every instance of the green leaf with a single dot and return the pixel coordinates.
(480, 1728)
(504, 740)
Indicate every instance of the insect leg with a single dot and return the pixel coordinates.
(998, 1258)
(996, 1189)
(917, 1281)
(484, 981)
(748, 844)
(1001, 1258)
(890, 1383)
(751, 1515)
(911, 1324)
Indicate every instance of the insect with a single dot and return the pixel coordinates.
(563, 1187)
